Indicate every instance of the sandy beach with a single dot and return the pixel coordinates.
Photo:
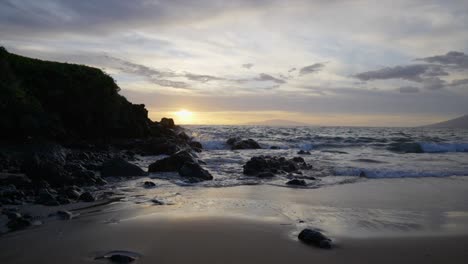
(384, 221)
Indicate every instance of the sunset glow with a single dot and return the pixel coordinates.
(184, 116)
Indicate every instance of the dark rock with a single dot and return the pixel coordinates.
(46, 162)
(87, 197)
(297, 182)
(149, 184)
(261, 164)
(237, 143)
(195, 145)
(20, 181)
(46, 198)
(18, 223)
(73, 192)
(303, 152)
(117, 258)
(64, 215)
(172, 163)
(194, 170)
(363, 174)
(266, 175)
(167, 122)
(316, 238)
(274, 147)
(118, 167)
(405, 147)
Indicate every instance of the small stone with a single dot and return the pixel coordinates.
(64, 215)
(316, 238)
(149, 184)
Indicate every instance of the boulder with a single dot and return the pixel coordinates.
(266, 164)
(316, 238)
(194, 171)
(238, 143)
(46, 198)
(119, 167)
(172, 163)
(18, 223)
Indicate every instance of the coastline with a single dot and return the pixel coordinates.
(259, 224)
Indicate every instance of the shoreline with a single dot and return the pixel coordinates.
(258, 224)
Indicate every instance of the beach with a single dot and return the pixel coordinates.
(385, 221)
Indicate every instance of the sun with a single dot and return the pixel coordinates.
(184, 116)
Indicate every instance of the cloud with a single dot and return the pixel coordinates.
(409, 89)
(453, 58)
(267, 77)
(459, 82)
(433, 83)
(202, 78)
(292, 69)
(311, 68)
(247, 65)
(415, 72)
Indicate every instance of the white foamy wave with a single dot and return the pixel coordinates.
(444, 147)
(389, 173)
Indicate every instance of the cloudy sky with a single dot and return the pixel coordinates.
(330, 62)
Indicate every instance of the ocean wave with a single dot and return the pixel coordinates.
(429, 147)
(390, 173)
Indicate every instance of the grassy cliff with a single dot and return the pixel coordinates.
(43, 99)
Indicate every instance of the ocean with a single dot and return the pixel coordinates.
(339, 155)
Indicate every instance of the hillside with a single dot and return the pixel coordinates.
(460, 122)
(62, 101)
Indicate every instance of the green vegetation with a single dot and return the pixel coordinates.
(63, 101)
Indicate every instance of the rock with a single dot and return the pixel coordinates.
(266, 175)
(118, 167)
(173, 162)
(262, 164)
(194, 170)
(46, 162)
(167, 122)
(64, 215)
(73, 192)
(120, 256)
(316, 238)
(18, 223)
(303, 152)
(363, 174)
(297, 182)
(237, 143)
(158, 201)
(87, 197)
(117, 258)
(195, 145)
(405, 147)
(149, 184)
(156, 146)
(274, 147)
(46, 198)
(20, 181)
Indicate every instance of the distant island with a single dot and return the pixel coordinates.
(276, 122)
(459, 122)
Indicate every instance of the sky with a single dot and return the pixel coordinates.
(346, 63)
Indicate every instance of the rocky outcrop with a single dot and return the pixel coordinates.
(193, 170)
(119, 167)
(238, 143)
(267, 165)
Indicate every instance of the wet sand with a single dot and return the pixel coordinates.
(259, 224)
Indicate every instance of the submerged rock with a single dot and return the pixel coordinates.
(121, 168)
(303, 152)
(64, 215)
(195, 171)
(120, 256)
(316, 238)
(238, 143)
